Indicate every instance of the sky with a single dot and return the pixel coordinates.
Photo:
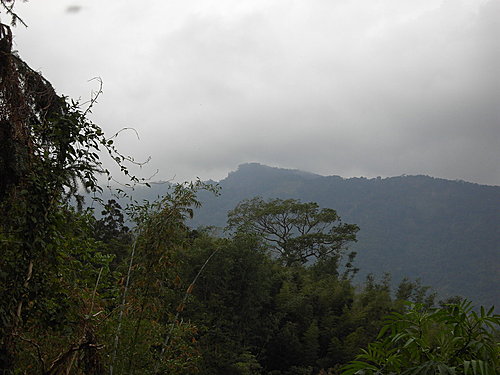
(335, 87)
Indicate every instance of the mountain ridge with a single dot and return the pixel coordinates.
(441, 231)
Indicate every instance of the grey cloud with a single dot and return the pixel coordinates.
(333, 87)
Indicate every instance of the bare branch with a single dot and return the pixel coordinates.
(9, 10)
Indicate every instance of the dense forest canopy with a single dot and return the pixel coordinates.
(82, 293)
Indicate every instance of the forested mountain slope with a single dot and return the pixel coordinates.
(443, 232)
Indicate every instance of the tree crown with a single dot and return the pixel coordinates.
(294, 230)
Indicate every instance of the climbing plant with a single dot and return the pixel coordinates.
(49, 152)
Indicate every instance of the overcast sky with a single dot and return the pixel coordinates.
(344, 87)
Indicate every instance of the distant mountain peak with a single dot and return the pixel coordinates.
(261, 169)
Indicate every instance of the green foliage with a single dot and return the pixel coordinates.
(148, 332)
(48, 149)
(64, 296)
(290, 318)
(413, 291)
(64, 275)
(410, 225)
(230, 300)
(451, 340)
(295, 231)
(247, 365)
(111, 230)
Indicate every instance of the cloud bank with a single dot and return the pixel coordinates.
(333, 87)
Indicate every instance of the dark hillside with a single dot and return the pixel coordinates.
(444, 232)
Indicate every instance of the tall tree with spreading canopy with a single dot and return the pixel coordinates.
(294, 231)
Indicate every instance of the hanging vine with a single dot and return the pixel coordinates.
(49, 150)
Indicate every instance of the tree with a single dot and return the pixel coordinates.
(452, 340)
(49, 151)
(47, 147)
(231, 301)
(150, 336)
(295, 231)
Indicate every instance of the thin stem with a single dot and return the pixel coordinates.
(180, 308)
(95, 291)
(29, 273)
(118, 329)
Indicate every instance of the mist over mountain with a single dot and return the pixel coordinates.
(443, 232)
